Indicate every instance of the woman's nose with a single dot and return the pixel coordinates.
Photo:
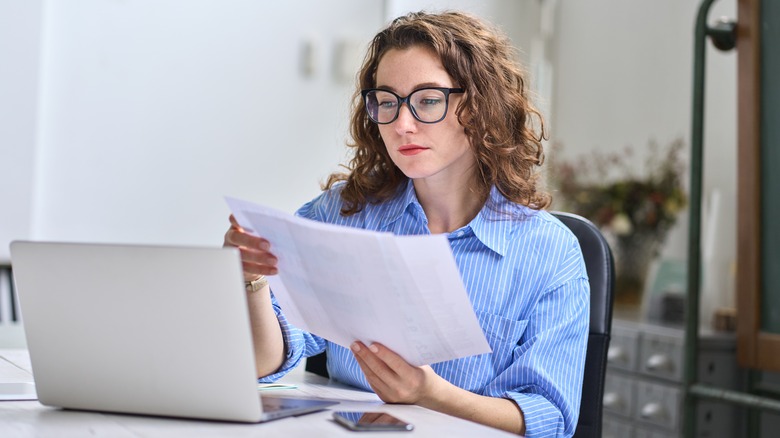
(405, 121)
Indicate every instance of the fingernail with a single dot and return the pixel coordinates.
(373, 348)
(355, 347)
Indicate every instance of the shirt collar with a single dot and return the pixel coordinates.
(405, 200)
(493, 226)
(495, 223)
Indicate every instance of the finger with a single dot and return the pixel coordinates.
(253, 270)
(373, 362)
(260, 257)
(258, 262)
(234, 226)
(372, 359)
(231, 234)
(398, 380)
(240, 238)
(376, 382)
(234, 223)
(255, 252)
(390, 358)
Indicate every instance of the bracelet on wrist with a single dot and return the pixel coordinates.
(256, 284)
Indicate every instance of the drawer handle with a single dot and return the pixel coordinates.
(659, 362)
(612, 400)
(653, 411)
(615, 354)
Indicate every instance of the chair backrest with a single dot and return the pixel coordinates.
(600, 267)
(601, 272)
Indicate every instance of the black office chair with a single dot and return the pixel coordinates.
(601, 272)
(600, 267)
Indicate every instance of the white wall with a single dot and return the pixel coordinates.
(151, 111)
(20, 28)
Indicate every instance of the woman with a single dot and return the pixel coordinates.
(445, 141)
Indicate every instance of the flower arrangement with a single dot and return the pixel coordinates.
(627, 203)
(634, 212)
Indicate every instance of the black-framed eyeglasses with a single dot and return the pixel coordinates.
(428, 105)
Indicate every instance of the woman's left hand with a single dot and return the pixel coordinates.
(392, 378)
(396, 381)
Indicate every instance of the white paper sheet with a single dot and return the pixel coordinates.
(346, 284)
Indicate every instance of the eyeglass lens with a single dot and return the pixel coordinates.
(428, 105)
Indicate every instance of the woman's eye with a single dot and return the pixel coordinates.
(387, 104)
(430, 101)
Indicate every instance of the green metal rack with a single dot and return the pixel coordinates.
(723, 36)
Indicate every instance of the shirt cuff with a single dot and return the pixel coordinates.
(542, 418)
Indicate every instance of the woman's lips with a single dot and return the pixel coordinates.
(411, 149)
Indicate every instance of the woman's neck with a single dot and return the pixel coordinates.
(448, 206)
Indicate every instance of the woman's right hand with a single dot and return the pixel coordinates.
(256, 256)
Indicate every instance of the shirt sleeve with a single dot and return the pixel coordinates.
(298, 344)
(551, 360)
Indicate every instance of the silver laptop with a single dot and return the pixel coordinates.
(142, 329)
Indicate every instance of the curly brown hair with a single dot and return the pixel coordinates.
(498, 117)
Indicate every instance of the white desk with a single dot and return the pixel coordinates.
(31, 419)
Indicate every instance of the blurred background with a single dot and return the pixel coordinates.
(129, 120)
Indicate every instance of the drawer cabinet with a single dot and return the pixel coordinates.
(622, 353)
(661, 355)
(619, 394)
(658, 404)
(643, 393)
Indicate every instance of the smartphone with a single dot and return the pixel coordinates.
(370, 421)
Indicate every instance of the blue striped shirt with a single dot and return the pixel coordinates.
(525, 275)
